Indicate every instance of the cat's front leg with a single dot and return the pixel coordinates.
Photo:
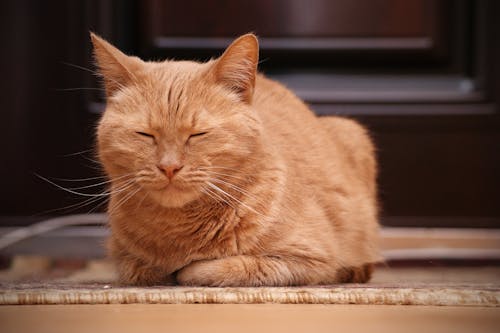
(249, 271)
(135, 271)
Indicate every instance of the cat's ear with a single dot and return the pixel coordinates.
(237, 67)
(116, 68)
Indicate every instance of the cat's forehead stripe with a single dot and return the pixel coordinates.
(171, 104)
(180, 95)
(169, 94)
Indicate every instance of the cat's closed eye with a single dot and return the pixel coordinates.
(197, 134)
(148, 135)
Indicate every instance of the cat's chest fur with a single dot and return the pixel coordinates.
(175, 238)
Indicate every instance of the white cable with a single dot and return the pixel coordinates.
(22, 233)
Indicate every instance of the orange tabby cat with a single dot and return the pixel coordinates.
(222, 177)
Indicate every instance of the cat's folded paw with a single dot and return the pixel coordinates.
(210, 273)
(145, 276)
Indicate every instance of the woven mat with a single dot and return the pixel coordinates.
(34, 280)
(336, 294)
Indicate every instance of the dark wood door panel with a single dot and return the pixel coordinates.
(439, 166)
(331, 26)
(42, 120)
(293, 18)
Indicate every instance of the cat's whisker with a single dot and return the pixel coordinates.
(91, 201)
(94, 198)
(196, 179)
(75, 206)
(92, 160)
(122, 201)
(243, 192)
(82, 68)
(78, 89)
(212, 196)
(226, 171)
(119, 84)
(215, 196)
(220, 176)
(96, 73)
(106, 200)
(226, 175)
(79, 152)
(124, 187)
(92, 178)
(219, 190)
(68, 190)
(95, 167)
(78, 179)
(126, 198)
(231, 197)
(85, 194)
(141, 201)
(100, 183)
(239, 189)
(219, 167)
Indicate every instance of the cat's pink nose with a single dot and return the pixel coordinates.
(170, 169)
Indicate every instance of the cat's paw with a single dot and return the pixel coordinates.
(144, 276)
(211, 273)
(361, 274)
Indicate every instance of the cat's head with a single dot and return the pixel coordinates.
(172, 127)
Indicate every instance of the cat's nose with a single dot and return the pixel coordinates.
(169, 169)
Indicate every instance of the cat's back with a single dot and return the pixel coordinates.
(288, 121)
(312, 146)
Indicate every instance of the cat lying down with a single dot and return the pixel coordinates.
(222, 177)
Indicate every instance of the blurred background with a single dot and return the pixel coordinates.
(422, 75)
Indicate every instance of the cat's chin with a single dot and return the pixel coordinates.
(172, 197)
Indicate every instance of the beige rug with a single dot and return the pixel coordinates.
(40, 280)
(338, 294)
